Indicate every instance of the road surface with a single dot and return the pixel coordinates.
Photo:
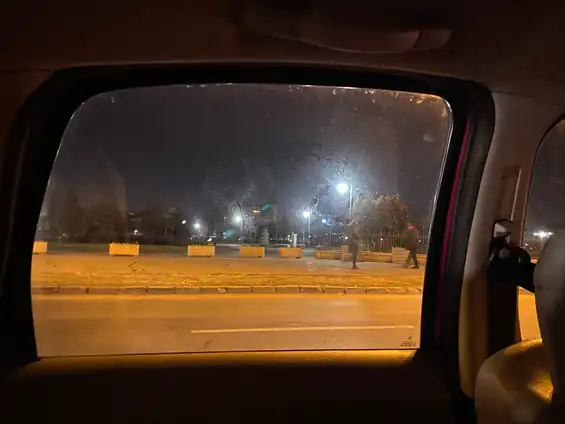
(97, 324)
(152, 270)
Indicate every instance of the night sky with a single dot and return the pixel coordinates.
(546, 204)
(183, 146)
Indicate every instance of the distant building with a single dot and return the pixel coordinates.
(262, 215)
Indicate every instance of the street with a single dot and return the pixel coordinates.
(158, 270)
(98, 324)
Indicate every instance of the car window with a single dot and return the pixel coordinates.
(546, 203)
(227, 217)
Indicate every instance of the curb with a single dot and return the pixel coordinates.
(287, 289)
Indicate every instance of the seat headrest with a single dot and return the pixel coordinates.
(549, 283)
(550, 269)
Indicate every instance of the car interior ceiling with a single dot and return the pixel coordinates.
(501, 70)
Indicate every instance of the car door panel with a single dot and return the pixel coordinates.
(262, 386)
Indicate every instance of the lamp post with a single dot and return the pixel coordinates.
(239, 220)
(329, 224)
(343, 188)
(543, 236)
(306, 214)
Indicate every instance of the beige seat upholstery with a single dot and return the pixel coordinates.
(525, 382)
(514, 386)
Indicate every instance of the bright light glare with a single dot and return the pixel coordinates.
(306, 214)
(197, 225)
(237, 218)
(183, 221)
(543, 234)
(342, 188)
(324, 220)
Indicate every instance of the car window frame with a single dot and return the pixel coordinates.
(38, 130)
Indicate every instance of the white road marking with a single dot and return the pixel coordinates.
(282, 329)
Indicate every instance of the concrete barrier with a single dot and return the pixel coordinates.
(384, 257)
(39, 247)
(345, 256)
(124, 249)
(375, 257)
(252, 252)
(201, 250)
(399, 255)
(328, 254)
(291, 252)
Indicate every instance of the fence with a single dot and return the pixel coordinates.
(384, 242)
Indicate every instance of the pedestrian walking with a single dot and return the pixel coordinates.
(354, 247)
(410, 240)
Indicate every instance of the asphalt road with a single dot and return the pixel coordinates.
(93, 325)
(153, 270)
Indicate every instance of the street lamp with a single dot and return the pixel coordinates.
(343, 188)
(239, 220)
(307, 215)
(329, 224)
(196, 226)
(543, 235)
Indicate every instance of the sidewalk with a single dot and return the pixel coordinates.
(90, 272)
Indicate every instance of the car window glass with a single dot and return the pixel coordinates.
(227, 217)
(546, 204)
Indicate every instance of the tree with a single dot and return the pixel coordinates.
(380, 215)
(227, 194)
(104, 223)
(154, 222)
(72, 216)
(65, 215)
(54, 207)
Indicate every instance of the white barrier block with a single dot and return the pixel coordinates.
(328, 254)
(399, 255)
(291, 252)
(124, 249)
(39, 247)
(252, 252)
(201, 250)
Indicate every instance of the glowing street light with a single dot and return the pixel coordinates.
(306, 214)
(183, 221)
(543, 234)
(324, 220)
(197, 225)
(342, 188)
(239, 220)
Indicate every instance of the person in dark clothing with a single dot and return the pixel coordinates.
(354, 248)
(410, 239)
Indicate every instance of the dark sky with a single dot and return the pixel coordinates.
(182, 145)
(546, 204)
